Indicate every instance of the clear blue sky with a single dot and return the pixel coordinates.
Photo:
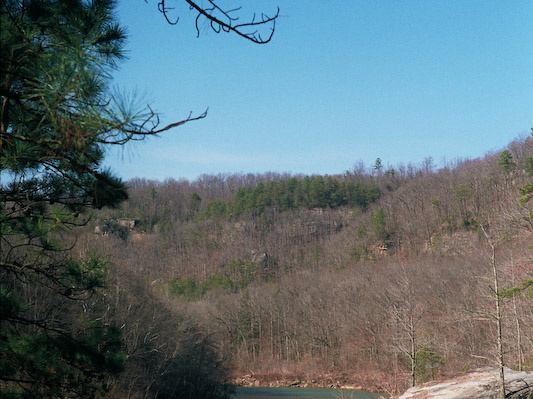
(341, 82)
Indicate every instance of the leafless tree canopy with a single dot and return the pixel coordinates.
(259, 28)
(384, 297)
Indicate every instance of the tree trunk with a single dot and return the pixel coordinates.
(498, 317)
(520, 352)
(413, 350)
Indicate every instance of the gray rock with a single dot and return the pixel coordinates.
(478, 384)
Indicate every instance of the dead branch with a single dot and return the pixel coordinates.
(225, 20)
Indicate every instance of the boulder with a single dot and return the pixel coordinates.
(477, 384)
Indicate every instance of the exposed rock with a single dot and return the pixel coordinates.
(478, 384)
(345, 380)
(119, 227)
(352, 387)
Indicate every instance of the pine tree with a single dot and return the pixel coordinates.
(506, 161)
(56, 117)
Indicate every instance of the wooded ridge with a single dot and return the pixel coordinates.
(383, 275)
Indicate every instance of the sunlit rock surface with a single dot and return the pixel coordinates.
(478, 384)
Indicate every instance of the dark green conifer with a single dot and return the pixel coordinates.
(506, 161)
(56, 117)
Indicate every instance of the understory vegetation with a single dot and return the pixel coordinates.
(385, 276)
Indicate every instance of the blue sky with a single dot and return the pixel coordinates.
(341, 82)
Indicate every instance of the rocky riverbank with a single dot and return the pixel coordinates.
(477, 384)
(337, 381)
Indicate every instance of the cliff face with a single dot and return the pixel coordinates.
(478, 384)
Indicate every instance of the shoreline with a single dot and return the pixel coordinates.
(293, 381)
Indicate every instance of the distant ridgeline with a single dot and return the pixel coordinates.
(294, 193)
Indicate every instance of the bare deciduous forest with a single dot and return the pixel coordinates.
(276, 274)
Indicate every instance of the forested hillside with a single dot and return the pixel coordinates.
(381, 277)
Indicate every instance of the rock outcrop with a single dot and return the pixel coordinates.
(478, 384)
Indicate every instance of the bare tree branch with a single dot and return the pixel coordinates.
(225, 20)
(189, 118)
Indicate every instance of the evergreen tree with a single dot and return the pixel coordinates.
(378, 166)
(56, 118)
(529, 166)
(506, 161)
(527, 190)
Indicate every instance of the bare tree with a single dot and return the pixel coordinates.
(405, 311)
(497, 305)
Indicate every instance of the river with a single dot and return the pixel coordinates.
(301, 393)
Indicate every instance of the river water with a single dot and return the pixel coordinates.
(301, 393)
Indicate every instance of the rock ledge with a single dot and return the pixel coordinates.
(478, 384)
